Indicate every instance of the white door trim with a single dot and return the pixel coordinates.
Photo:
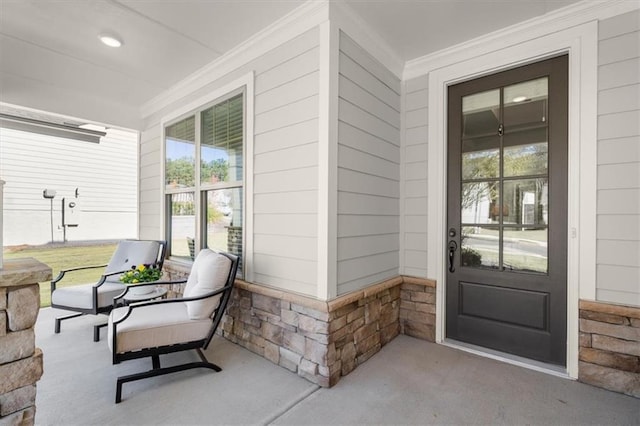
(580, 42)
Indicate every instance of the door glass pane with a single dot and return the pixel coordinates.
(478, 202)
(525, 201)
(180, 154)
(523, 160)
(480, 114)
(481, 158)
(480, 247)
(525, 249)
(525, 104)
(183, 224)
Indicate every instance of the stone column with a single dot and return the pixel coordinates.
(20, 360)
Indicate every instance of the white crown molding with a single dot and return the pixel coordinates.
(301, 19)
(363, 34)
(561, 19)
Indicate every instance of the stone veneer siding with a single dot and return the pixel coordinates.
(323, 341)
(610, 346)
(20, 360)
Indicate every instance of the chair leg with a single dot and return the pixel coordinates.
(96, 331)
(60, 319)
(155, 361)
(161, 371)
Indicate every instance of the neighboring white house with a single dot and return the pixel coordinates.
(99, 178)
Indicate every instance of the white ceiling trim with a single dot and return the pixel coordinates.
(300, 20)
(561, 19)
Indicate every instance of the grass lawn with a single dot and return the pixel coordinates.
(66, 257)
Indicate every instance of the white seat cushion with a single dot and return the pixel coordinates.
(81, 296)
(209, 272)
(156, 325)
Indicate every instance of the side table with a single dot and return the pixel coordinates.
(135, 297)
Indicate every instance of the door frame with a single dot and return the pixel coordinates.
(580, 43)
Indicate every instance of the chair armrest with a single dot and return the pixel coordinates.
(153, 283)
(80, 268)
(175, 300)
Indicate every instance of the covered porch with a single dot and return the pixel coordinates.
(410, 381)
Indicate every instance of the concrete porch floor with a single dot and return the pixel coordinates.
(408, 382)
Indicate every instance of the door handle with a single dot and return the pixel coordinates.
(453, 246)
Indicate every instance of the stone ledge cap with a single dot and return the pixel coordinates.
(334, 304)
(23, 271)
(610, 308)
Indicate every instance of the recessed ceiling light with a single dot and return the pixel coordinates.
(519, 99)
(110, 40)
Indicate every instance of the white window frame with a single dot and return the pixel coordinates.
(245, 85)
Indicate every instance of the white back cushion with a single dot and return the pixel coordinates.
(209, 272)
(130, 253)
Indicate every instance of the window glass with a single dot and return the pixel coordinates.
(204, 202)
(180, 150)
(182, 224)
(221, 150)
(223, 228)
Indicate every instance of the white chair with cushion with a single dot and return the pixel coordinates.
(98, 298)
(158, 327)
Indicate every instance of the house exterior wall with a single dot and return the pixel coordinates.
(105, 175)
(368, 169)
(285, 160)
(618, 218)
(382, 167)
(413, 239)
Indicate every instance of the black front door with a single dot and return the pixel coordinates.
(507, 211)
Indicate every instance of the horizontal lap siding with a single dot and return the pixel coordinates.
(286, 168)
(413, 243)
(618, 214)
(368, 169)
(104, 173)
(285, 159)
(150, 226)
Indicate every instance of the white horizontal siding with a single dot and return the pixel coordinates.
(360, 140)
(292, 247)
(368, 169)
(619, 74)
(413, 244)
(357, 225)
(297, 112)
(290, 158)
(618, 208)
(288, 225)
(285, 179)
(622, 297)
(286, 167)
(293, 180)
(625, 175)
(286, 137)
(618, 227)
(150, 187)
(619, 150)
(283, 272)
(104, 173)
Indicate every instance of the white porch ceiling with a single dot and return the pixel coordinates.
(51, 58)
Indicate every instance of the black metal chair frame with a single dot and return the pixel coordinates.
(95, 309)
(155, 352)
